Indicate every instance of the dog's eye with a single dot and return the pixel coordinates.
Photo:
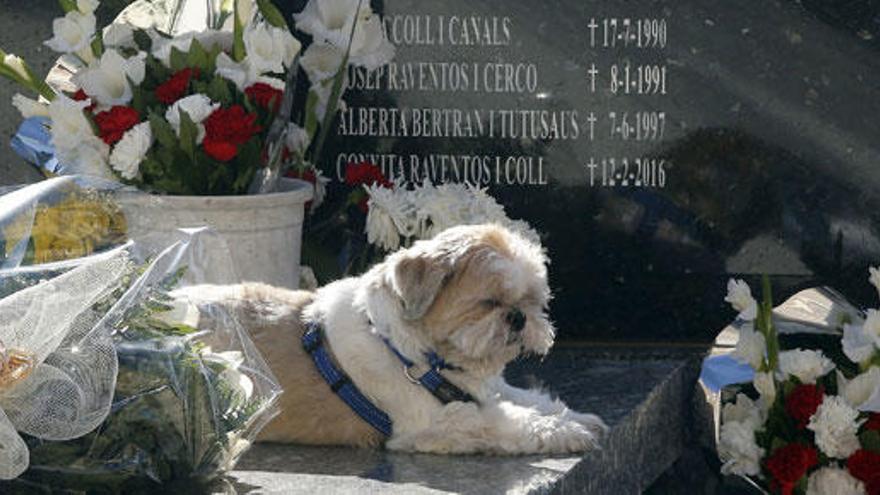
(491, 303)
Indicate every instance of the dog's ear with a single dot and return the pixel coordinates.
(417, 281)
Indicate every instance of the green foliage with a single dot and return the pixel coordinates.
(68, 5)
(189, 132)
(179, 60)
(271, 13)
(870, 440)
(219, 91)
(97, 45)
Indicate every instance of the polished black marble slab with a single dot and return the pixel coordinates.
(642, 394)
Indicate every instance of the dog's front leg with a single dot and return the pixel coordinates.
(496, 428)
(542, 402)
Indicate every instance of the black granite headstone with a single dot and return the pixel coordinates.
(659, 146)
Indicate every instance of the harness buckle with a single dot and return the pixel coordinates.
(409, 376)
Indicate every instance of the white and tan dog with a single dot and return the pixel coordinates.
(476, 296)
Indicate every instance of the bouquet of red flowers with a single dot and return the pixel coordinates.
(809, 421)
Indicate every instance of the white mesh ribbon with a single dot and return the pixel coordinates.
(52, 328)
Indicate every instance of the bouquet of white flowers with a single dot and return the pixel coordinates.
(809, 420)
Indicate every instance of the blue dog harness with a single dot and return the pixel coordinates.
(314, 344)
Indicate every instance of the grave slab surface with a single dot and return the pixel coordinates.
(643, 394)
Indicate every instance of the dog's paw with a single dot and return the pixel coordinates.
(571, 437)
(591, 422)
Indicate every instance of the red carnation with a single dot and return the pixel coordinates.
(864, 465)
(265, 96)
(365, 173)
(789, 464)
(81, 95)
(873, 423)
(174, 88)
(803, 402)
(226, 129)
(113, 123)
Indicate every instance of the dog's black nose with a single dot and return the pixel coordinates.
(517, 320)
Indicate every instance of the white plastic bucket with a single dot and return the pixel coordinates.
(263, 233)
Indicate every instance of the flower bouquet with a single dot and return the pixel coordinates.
(808, 422)
(196, 113)
(105, 385)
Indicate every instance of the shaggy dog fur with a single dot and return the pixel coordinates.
(455, 295)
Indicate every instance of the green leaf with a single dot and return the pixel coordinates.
(138, 101)
(68, 5)
(189, 132)
(179, 60)
(219, 91)
(311, 124)
(272, 15)
(98, 44)
(143, 40)
(197, 56)
(871, 440)
(163, 131)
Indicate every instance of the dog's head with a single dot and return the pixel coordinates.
(477, 294)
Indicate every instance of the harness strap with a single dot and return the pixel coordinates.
(432, 380)
(341, 384)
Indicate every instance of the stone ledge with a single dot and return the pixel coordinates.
(643, 398)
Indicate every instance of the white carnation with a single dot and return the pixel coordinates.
(269, 49)
(836, 426)
(107, 80)
(834, 481)
(739, 449)
(390, 217)
(806, 365)
(863, 391)
(198, 107)
(87, 6)
(119, 35)
(73, 32)
(751, 347)
(131, 150)
(322, 61)
(857, 345)
(740, 297)
(744, 410)
(28, 107)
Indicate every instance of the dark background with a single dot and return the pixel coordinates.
(775, 146)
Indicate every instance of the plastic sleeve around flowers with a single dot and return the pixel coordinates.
(104, 378)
